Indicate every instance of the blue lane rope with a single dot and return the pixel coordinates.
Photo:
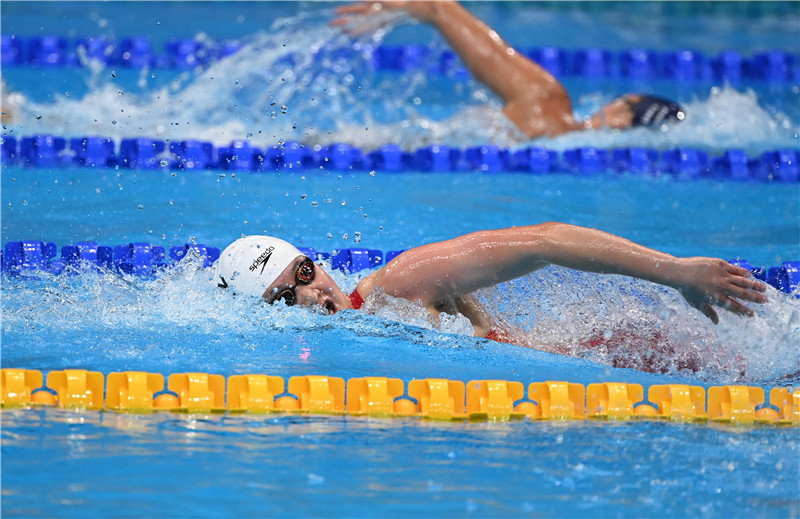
(24, 258)
(590, 63)
(48, 151)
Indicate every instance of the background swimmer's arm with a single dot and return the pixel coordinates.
(534, 100)
(454, 268)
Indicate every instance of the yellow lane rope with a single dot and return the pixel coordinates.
(438, 399)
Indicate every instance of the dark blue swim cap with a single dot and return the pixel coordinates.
(652, 111)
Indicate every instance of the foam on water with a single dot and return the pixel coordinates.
(306, 81)
(609, 320)
(98, 298)
(631, 323)
(727, 118)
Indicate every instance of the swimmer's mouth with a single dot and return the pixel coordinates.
(330, 307)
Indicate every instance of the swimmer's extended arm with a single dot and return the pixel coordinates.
(534, 100)
(453, 268)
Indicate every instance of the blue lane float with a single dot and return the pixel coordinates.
(48, 151)
(589, 63)
(140, 259)
(26, 258)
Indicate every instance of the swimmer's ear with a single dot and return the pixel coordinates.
(224, 283)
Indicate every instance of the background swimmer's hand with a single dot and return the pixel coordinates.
(367, 17)
(711, 281)
(10, 102)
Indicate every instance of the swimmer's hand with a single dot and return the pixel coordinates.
(710, 281)
(367, 17)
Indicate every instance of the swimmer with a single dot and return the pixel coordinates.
(10, 102)
(442, 276)
(534, 101)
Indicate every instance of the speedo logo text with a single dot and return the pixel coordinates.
(262, 260)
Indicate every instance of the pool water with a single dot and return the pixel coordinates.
(247, 466)
(59, 462)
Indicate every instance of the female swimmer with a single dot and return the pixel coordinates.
(441, 276)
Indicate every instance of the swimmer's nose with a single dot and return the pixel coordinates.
(310, 295)
(307, 295)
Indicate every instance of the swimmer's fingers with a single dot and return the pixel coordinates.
(737, 270)
(746, 294)
(715, 282)
(703, 302)
(347, 13)
(357, 8)
(737, 285)
(748, 289)
(724, 302)
(353, 12)
(362, 26)
(709, 312)
(369, 7)
(733, 305)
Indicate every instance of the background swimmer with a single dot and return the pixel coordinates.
(534, 100)
(10, 102)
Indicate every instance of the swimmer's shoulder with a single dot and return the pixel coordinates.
(376, 278)
(386, 277)
(368, 284)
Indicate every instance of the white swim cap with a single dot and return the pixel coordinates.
(251, 264)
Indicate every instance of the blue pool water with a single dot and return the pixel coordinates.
(67, 463)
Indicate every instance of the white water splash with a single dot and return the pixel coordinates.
(380, 304)
(625, 322)
(88, 298)
(728, 118)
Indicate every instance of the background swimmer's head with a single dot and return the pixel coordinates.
(652, 110)
(633, 110)
(253, 263)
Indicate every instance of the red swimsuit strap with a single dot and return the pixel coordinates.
(356, 299)
(498, 335)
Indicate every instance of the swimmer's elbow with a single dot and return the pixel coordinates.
(546, 237)
(546, 232)
(551, 227)
(530, 235)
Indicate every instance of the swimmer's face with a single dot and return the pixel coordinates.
(618, 114)
(306, 284)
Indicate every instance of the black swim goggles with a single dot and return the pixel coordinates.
(303, 276)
